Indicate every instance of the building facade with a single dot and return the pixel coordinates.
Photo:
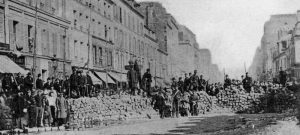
(23, 18)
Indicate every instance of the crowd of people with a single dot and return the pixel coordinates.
(46, 104)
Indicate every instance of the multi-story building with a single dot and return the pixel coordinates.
(269, 45)
(293, 49)
(91, 35)
(187, 51)
(22, 19)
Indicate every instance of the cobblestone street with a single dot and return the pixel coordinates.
(161, 126)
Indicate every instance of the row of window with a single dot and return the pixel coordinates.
(51, 43)
(55, 7)
(130, 21)
(83, 22)
(100, 6)
(102, 57)
(132, 44)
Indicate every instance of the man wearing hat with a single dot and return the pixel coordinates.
(73, 82)
(227, 82)
(132, 78)
(81, 81)
(28, 82)
(147, 80)
(89, 83)
(247, 82)
(39, 82)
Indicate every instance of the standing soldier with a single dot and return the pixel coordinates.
(201, 83)
(48, 84)
(39, 82)
(82, 84)
(227, 82)
(73, 83)
(138, 75)
(180, 84)
(186, 82)
(147, 80)
(174, 84)
(195, 80)
(28, 83)
(57, 85)
(247, 82)
(89, 83)
(20, 81)
(282, 77)
(66, 85)
(132, 78)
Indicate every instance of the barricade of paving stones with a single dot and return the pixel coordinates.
(91, 112)
(269, 102)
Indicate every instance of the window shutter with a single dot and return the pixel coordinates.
(25, 37)
(54, 42)
(62, 46)
(11, 35)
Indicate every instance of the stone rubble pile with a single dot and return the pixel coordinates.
(237, 100)
(5, 117)
(88, 112)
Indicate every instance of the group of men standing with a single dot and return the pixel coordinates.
(136, 81)
(246, 82)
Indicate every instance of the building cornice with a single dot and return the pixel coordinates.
(132, 8)
(39, 11)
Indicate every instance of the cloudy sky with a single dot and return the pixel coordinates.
(231, 29)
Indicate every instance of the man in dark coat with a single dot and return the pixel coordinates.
(180, 84)
(48, 84)
(186, 82)
(66, 86)
(227, 82)
(132, 78)
(147, 77)
(39, 82)
(20, 81)
(73, 83)
(81, 80)
(282, 77)
(247, 82)
(201, 83)
(89, 83)
(28, 82)
(138, 75)
(57, 85)
(19, 104)
(195, 80)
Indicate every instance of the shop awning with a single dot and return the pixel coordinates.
(118, 77)
(104, 77)
(8, 66)
(124, 77)
(95, 79)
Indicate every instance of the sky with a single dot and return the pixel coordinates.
(231, 29)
